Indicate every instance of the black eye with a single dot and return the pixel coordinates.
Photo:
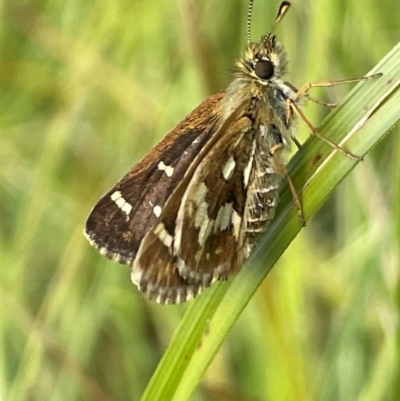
(264, 69)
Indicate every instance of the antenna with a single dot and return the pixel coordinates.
(248, 27)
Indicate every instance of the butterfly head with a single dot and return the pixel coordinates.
(265, 60)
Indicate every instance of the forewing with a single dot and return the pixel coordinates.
(126, 213)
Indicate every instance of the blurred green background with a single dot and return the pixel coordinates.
(86, 89)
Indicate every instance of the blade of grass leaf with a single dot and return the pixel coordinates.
(317, 169)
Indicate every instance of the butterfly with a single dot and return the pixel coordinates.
(188, 214)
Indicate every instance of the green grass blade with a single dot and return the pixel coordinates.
(317, 169)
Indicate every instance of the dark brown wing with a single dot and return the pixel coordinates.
(126, 213)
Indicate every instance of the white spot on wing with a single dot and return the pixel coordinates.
(122, 204)
(127, 208)
(115, 195)
(236, 222)
(247, 169)
(168, 170)
(224, 217)
(205, 231)
(157, 210)
(229, 168)
(163, 235)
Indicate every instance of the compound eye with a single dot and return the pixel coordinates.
(264, 69)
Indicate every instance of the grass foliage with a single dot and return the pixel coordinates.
(86, 89)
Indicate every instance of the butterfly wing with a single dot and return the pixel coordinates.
(124, 215)
(186, 214)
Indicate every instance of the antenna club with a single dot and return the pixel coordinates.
(283, 8)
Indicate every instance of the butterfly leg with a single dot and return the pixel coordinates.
(293, 106)
(303, 92)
